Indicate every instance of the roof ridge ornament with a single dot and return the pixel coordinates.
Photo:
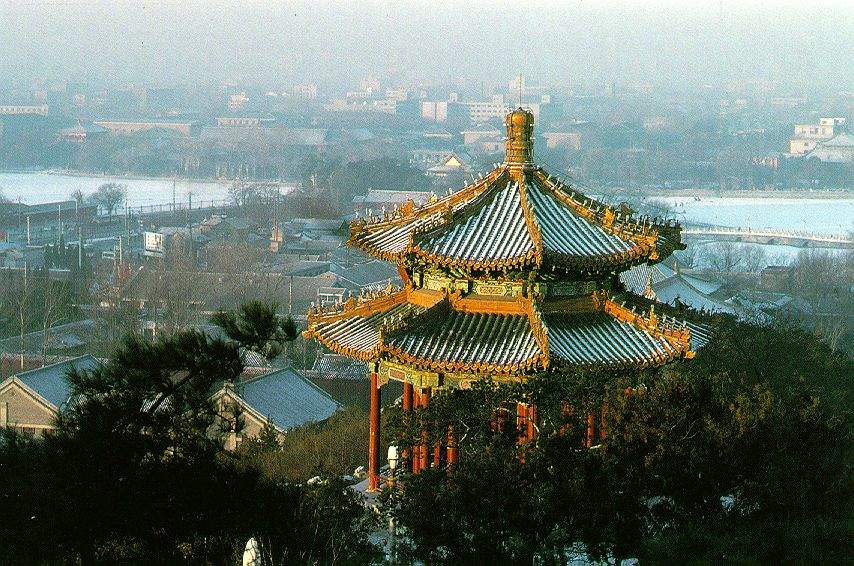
(519, 146)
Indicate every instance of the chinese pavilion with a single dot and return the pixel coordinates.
(514, 274)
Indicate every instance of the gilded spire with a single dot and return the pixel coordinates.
(520, 137)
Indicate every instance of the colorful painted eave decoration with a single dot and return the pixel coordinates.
(516, 219)
(443, 332)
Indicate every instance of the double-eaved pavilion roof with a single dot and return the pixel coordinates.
(437, 331)
(517, 223)
(516, 218)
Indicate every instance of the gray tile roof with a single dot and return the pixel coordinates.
(669, 285)
(602, 340)
(50, 381)
(336, 366)
(372, 274)
(523, 219)
(286, 398)
(839, 149)
(495, 230)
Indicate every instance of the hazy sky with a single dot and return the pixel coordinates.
(336, 43)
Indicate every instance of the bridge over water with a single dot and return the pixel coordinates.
(768, 236)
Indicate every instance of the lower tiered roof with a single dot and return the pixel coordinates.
(437, 331)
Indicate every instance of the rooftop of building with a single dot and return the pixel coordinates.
(838, 149)
(286, 398)
(50, 382)
(508, 276)
(517, 217)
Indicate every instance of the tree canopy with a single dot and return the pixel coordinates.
(135, 471)
(740, 454)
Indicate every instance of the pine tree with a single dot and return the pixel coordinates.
(268, 437)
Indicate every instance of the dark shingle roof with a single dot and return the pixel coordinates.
(286, 398)
(50, 381)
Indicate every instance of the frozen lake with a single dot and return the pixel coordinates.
(823, 215)
(40, 187)
(819, 215)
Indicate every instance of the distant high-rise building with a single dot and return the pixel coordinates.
(369, 84)
(397, 94)
(237, 101)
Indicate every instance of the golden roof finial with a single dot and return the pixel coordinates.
(520, 137)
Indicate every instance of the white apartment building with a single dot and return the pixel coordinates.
(434, 111)
(807, 136)
(9, 110)
(482, 111)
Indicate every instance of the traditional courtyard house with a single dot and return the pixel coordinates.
(283, 399)
(454, 163)
(837, 150)
(31, 400)
(515, 274)
(670, 285)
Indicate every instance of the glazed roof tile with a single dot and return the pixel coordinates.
(566, 232)
(516, 218)
(602, 339)
(470, 339)
(453, 337)
(495, 229)
(358, 336)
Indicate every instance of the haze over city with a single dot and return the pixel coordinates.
(671, 44)
(447, 283)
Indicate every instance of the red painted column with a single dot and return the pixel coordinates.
(602, 423)
(521, 422)
(566, 412)
(407, 396)
(591, 423)
(407, 408)
(423, 447)
(532, 421)
(452, 447)
(416, 452)
(374, 440)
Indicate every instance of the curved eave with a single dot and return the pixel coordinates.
(529, 365)
(338, 348)
(434, 332)
(622, 241)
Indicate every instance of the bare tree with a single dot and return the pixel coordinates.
(52, 303)
(22, 300)
(729, 257)
(77, 196)
(109, 196)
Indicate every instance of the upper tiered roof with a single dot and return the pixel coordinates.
(517, 218)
